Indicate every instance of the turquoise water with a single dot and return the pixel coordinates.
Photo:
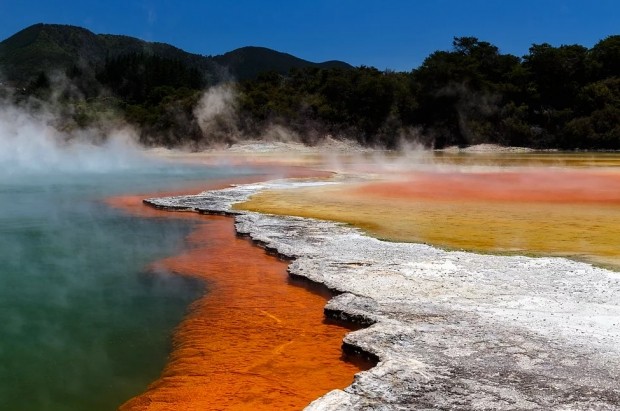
(84, 324)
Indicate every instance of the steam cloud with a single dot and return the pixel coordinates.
(216, 114)
(29, 143)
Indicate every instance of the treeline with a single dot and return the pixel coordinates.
(153, 93)
(158, 95)
(565, 97)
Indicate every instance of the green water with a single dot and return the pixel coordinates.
(84, 325)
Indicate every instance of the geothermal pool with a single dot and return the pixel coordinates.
(86, 317)
(516, 203)
(108, 302)
(258, 339)
(91, 293)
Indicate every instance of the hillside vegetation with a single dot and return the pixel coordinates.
(565, 97)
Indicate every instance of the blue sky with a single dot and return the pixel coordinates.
(396, 34)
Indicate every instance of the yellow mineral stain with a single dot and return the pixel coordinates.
(572, 212)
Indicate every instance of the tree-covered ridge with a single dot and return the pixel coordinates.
(56, 47)
(248, 62)
(564, 97)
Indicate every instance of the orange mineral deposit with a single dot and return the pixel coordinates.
(254, 341)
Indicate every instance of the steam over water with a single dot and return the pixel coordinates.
(30, 145)
(86, 322)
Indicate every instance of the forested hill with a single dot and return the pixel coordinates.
(248, 62)
(565, 97)
(54, 47)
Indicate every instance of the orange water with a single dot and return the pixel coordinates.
(254, 341)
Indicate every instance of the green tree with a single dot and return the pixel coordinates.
(557, 73)
(604, 58)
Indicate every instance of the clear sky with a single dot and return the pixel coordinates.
(394, 34)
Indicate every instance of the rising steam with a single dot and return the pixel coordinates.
(216, 114)
(29, 143)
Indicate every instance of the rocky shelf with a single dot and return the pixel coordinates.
(450, 330)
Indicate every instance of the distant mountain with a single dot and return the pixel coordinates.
(46, 48)
(248, 62)
(50, 47)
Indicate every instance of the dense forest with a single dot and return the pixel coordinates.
(565, 97)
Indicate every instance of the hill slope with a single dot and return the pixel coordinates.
(248, 62)
(52, 47)
(46, 48)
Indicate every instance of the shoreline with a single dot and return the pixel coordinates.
(459, 330)
(235, 340)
